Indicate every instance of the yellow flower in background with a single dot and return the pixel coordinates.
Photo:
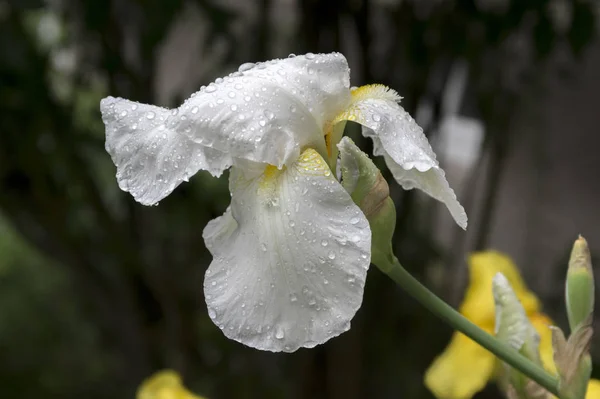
(165, 384)
(464, 368)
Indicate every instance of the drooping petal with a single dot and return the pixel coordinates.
(478, 303)
(268, 112)
(151, 158)
(462, 370)
(398, 138)
(290, 258)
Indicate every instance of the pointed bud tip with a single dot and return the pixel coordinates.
(579, 293)
(580, 255)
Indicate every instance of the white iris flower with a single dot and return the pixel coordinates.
(291, 253)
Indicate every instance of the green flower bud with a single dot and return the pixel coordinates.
(580, 286)
(514, 328)
(369, 190)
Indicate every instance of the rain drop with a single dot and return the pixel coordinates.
(195, 110)
(293, 298)
(246, 67)
(309, 56)
(150, 115)
(279, 334)
(231, 94)
(331, 255)
(210, 89)
(354, 220)
(263, 246)
(324, 243)
(376, 117)
(212, 314)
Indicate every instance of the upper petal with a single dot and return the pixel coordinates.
(402, 142)
(290, 258)
(152, 158)
(268, 112)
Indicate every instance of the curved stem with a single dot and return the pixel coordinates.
(457, 321)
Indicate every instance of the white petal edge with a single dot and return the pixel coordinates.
(151, 158)
(397, 137)
(267, 112)
(291, 256)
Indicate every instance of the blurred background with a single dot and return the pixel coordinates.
(97, 291)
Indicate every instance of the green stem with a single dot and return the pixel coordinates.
(457, 321)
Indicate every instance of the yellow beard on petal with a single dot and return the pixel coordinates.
(374, 91)
(267, 187)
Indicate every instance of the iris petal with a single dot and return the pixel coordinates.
(462, 370)
(290, 258)
(397, 137)
(266, 112)
(151, 158)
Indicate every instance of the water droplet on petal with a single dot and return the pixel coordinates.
(309, 56)
(212, 314)
(324, 243)
(279, 334)
(195, 110)
(293, 298)
(354, 220)
(263, 246)
(376, 117)
(231, 94)
(150, 115)
(246, 67)
(331, 255)
(210, 88)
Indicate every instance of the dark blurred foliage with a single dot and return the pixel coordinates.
(97, 291)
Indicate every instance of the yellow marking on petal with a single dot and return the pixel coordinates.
(376, 92)
(271, 172)
(311, 162)
(359, 94)
(267, 186)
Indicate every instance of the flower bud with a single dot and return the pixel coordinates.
(369, 190)
(580, 286)
(514, 328)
